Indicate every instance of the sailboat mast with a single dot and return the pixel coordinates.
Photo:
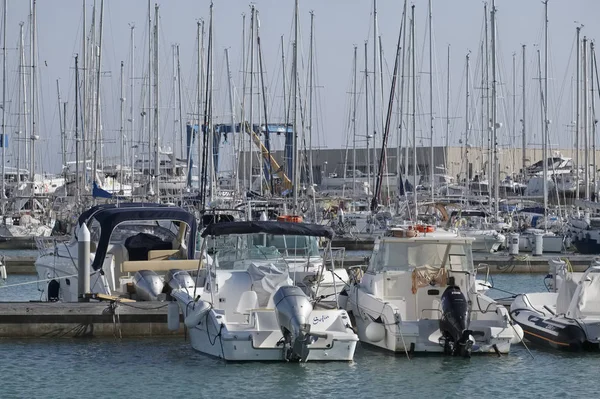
(523, 121)
(354, 123)
(23, 89)
(375, 70)
(546, 121)
(577, 67)
(77, 188)
(84, 87)
(594, 167)
(296, 174)
(401, 112)
(367, 118)
(131, 100)
(251, 117)
(97, 105)
(467, 125)
(232, 109)
(448, 106)
(310, 104)
(414, 111)
(495, 125)
(180, 106)
(264, 98)
(61, 125)
(4, 139)
(122, 130)
(156, 105)
(431, 158)
(586, 161)
(33, 90)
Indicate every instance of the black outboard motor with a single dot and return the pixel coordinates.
(454, 323)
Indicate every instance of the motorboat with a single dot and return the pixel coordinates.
(419, 294)
(568, 315)
(245, 306)
(132, 247)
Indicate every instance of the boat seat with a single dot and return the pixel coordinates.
(248, 301)
(132, 266)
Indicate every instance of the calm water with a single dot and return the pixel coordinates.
(168, 367)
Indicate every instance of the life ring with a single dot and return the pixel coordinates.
(289, 218)
(424, 228)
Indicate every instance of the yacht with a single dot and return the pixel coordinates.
(245, 307)
(132, 247)
(419, 294)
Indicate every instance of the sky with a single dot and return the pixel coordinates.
(339, 25)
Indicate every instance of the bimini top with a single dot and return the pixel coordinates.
(268, 227)
(86, 215)
(110, 217)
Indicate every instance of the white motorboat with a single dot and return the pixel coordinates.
(133, 245)
(245, 307)
(419, 294)
(566, 317)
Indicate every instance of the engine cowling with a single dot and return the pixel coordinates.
(293, 309)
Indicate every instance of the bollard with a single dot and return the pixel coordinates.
(513, 244)
(83, 262)
(538, 244)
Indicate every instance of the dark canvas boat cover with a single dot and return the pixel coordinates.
(268, 227)
(111, 216)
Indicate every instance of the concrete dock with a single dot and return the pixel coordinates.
(57, 319)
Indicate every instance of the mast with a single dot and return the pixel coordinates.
(61, 125)
(97, 105)
(4, 139)
(84, 84)
(33, 135)
(310, 105)
(199, 90)
(578, 30)
(296, 174)
(122, 130)
(486, 126)
(514, 104)
(367, 118)
(374, 91)
(495, 124)
(131, 99)
(77, 188)
(431, 158)
(414, 110)
(523, 121)
(264, 98)
(594, 166)
(150, 189)
(467, 125)
(156, 106)
(546, 121)
(250, 119)
(586, 144)
(231, 107)
(354, 123)
(448, 109)
(23, 89)
(401, 114)
(179, 101)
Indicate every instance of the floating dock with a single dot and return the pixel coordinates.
(85, 319)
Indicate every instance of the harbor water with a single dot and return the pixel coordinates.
(168, 367)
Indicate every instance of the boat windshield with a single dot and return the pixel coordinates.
(289, 246)
(394, 255)
(164, 230)
(238, 252)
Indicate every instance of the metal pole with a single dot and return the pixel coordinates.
(431, 158)
(524, 121)
(83, 262)
(414, 111)
(578, 29)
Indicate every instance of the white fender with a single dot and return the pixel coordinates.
(196, 314)
(375, 332)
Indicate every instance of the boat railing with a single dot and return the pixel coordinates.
(47, 245)
(487, 282)
(337, 254)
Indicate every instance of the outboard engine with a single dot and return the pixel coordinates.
(177, 279)
(148, 285)
(454, 323)
(293, 309)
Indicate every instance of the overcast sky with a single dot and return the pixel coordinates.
(339, 25)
